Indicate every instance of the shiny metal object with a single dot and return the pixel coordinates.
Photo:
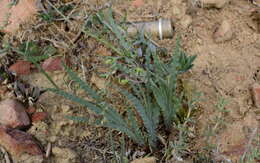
(162, 28)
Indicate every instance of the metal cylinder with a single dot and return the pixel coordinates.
(162, 28)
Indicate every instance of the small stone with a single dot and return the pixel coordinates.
(145, 160)
(223, 33)
(21, 67)
(17, 142)
(186, 21)
(64, 155)
(39, 116)
(256, 94)
(213, 3)
(30, 110)
(12, 114)
(99, 82)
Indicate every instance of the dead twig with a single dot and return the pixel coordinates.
(48, 150)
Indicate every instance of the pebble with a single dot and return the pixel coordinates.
(224, 32)
(30, 110)
(13, 114)
(21, 67)
(39, 116)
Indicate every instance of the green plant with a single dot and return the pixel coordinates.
(164, 83)
(50, 15)
(32, 50)
(254, 155)
(112, 119)
(138, 59)
(154, 82)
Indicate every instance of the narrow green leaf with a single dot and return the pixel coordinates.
(82, 84)
(78, 119)
(76, 99)
(134, 126)
(148, 123)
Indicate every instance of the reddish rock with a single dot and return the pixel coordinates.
(21, 67)
(256, 94)
(12, 114)
(39, 116)
(53, 64)
(30, 110)
(17, 142)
